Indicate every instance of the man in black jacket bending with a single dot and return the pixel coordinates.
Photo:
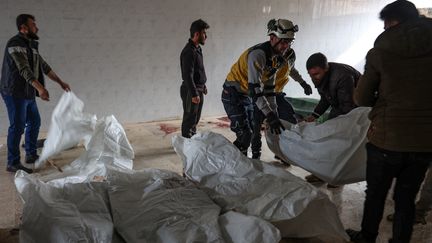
(335, 83)
(194, 78)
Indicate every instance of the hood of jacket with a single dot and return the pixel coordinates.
(409, 39)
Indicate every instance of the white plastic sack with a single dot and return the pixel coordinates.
(334, 151)
(109, 140)
(240, 228)
(154, 205)
(147, 206)
(81, 209)
(255, 188)
(108, 145)
(105, 139)
(160, 206)
(73, 213)
(69, 125)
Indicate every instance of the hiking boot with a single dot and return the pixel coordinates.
(313, 179)
(419, 219)
(15, 168)
(357, 236)
(31, 159)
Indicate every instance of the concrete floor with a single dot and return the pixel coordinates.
(152, 145)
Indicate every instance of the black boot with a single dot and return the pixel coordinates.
(358, 237)
(15, 168)
(256, 155)
(240, 147)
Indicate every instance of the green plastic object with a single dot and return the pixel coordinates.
(305, 107)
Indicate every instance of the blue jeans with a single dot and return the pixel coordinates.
(23, 113)
(383, 166)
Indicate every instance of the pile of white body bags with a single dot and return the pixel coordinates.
(100, 198)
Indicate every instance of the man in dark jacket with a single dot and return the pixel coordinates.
(335, 83)
(22, 79)
(396, 84)
(194, 78)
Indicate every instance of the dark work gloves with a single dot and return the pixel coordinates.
(306, 87)
(275, 124)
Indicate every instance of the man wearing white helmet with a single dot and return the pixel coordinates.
(252, 79)
(285, 110)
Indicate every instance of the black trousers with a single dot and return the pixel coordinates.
(409, 169)
(239, 109)
(191, 112)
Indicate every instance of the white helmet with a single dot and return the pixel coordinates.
(282, 28)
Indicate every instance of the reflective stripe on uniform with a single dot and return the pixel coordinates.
(17, 49)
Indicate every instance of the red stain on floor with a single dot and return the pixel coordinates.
(222, 124)
(225, 122)
(224, 118)
(168, 129)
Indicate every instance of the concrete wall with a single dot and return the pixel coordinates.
(121, 57)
